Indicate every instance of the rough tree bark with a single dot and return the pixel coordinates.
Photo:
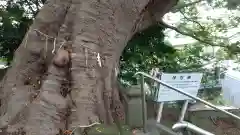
(44, 93)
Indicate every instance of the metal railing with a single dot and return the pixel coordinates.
(181, 124)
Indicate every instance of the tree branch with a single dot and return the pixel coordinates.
(178, 7)
(190, 35)
(189, 19)
(230, 37)
(234, 48)
(201, 26)
(155, 11)
(160, 7)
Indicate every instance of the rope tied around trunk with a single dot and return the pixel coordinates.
(98, 56)
(68, 132)
(86, 52)
(47, 37)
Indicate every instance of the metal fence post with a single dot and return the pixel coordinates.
(143, 104)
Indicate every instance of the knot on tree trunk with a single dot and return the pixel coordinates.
(62, 58)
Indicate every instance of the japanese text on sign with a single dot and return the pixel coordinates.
(188, 82)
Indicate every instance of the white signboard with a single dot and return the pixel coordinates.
(188, 82)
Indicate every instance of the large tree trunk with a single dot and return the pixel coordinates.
(40, 90)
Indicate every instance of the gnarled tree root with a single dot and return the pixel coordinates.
(46, 115)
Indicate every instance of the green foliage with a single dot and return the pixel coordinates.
(31, 7)
(15, 18)
(211, 29)
(13, 26)
(147, 50)
(219, 29)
